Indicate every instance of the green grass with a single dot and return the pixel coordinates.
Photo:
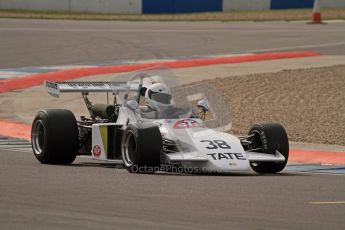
(262, 15)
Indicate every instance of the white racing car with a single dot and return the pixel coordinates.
(155, 124)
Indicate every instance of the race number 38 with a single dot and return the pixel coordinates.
(216, 144)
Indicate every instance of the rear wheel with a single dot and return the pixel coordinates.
(269, 138)
(140, 148)
(54, 136)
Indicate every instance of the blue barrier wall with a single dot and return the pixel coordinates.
(290, 4)
(180, 6)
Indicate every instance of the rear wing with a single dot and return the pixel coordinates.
(54, 88)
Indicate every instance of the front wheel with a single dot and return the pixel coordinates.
(54, 136)
(141, 147)
(269, 138)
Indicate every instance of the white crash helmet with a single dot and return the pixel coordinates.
(157, 95)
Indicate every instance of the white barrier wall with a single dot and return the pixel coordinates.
(106, 6)
(246, 5)
(99, 6)
(332, 3)
(56, 5)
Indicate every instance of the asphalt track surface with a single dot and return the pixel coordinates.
(94, 195)
(25, 43)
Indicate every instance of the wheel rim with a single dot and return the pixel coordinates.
(37, 139)
(129, 149)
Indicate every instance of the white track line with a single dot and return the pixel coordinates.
(327, 202)
(299, 47)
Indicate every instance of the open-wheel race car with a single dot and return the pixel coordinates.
(152, 124)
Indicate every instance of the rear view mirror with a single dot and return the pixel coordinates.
(203, 109)
(203, 105)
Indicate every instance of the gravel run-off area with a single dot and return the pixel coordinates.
(310, 103)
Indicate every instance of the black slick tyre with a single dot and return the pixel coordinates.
(54, 136)
(141, 146)
(269, 137)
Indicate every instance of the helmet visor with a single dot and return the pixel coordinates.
(163, 98)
